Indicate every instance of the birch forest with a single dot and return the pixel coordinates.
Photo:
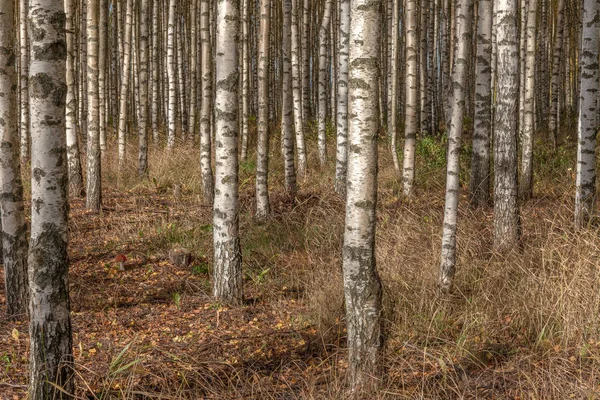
(299, 199)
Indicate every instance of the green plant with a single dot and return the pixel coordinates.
(177, 299)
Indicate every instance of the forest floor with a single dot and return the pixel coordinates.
(522, 326)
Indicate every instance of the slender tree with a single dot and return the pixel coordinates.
(341, 164)
(14, 227)
(73, 155)
(297, 92)
(262, 153)
(124, 92)
(507, 227)
(205, 117)
(411, 119)
(362, 287)
(526, 182)
(392, 127)
(171, 73)
(479, 185)
(94, 179)
(228, 255)
(585, 195)
(459, 83)
(102, 75)
(323, 34)
(50, 353)
(24, 78)
(287, 126)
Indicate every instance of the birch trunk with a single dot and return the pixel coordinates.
(262, 153)
(362, 287)
(14, 226)
(73, 155)
(341, 164)
(322, 135)
(124, 92)
(507, 227)
(102, 78)
(228, 255)
(297, 92)
(94, 179)
(393, 128)
(526, 182)
(50, 353)
(460, 72)
(411, 120)
(480, 161)
(287, 127)
(171, 72)
(143, 85)
(24, 78)
(556, 68)
(155, 72)
(585, 191)
(205, 117)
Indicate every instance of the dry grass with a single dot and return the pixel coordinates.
(525, 325)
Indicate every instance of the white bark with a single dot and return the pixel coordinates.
(411, 120)
(460, 72)
(323, 75)
(14, 227)
(143, 92)
(506, 200)
(362, 287)
(262, 153)
(341, 164)
(24, 78)
(526, 182)
(245, 68)
(227, 252)
(124, 92)
(50, 353)
(393, 128)
(287, 127)
(297, 92)
(94, 179)
(205, 117)
(480, 161)
(171, 72)
(585, 195)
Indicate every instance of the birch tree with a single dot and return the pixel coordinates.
(73, 155)
(143, 79)
(124, 91)
(50, 353)
(323, 30)
(459, 82)
(171, 72)
(287, 127)
(94, 179)
(262, 153)
(362, 287)
(526, 182)
(411, 118)
(24, 78)
(479, 186)
(14, 227)
(507, 228)
(227, 252)
(205, 116)
(556, 68)
(297, 92)
(585, 190)
(341, 163)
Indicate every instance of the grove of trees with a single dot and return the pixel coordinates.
(303, 94)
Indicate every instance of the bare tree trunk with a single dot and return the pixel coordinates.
(297, 92)
(94, 179)
(50, 353)
(362, 287)
(526, 188)
(262, 155)
(228, 282)
(155, 70)
(556, 68)
(507, 225)
(411, 120)
(143, 84)
(171, 71)
(124, 96)
(322, 81)
(459, 76)
(205, 118)
(341, 165)
(393, 126)
(14, 226)
(480, 161)
(287, 127)
(24, 78)
(585, 195)
(73, 155)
